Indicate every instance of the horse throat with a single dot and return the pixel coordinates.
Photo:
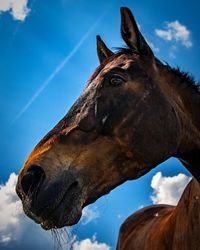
(190, 154)
(188, 107)
(184, 95)
(191, 160)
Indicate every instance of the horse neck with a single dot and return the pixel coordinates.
(186, 217)
(189, 113)
(186, 103)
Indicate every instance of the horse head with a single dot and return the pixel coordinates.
(124, 124)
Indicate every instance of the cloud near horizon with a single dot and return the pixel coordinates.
(175, 31)
(168, 190)
(89, 214)
(17, 8)
(90, 244)
(17, 231)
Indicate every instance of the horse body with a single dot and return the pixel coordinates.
(135, 112)
(163, 227)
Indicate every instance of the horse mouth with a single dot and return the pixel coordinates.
(67, 212)
(62, 211)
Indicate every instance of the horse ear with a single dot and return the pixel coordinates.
(131, 34)
(102, 50)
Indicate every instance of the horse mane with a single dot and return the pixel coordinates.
(183, 77)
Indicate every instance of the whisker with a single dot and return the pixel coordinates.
(62, 238)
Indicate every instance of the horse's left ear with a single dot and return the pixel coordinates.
(131, 34)
(102, 50)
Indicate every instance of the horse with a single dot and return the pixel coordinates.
(134, 113)
(165, 227)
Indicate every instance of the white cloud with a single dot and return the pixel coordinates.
(175, 31)
(164, 34)
(172, 51)
(18, 8)
(168, 190)
(10, 206)
(90, 244)
(89, 214)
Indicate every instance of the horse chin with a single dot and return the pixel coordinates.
(51, 223)
(63, 216)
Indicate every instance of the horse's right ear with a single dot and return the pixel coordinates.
(102, 50)
(131, 33)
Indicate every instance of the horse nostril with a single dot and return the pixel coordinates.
(32, 179)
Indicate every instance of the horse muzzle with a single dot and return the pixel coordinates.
(53, 204)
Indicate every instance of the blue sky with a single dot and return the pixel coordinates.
(47, 53)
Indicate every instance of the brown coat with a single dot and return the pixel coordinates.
(163, 227)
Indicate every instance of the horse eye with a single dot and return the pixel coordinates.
(116, 80)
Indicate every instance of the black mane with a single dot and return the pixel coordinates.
(184, 77)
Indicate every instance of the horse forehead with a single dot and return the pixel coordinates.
(123, 61)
